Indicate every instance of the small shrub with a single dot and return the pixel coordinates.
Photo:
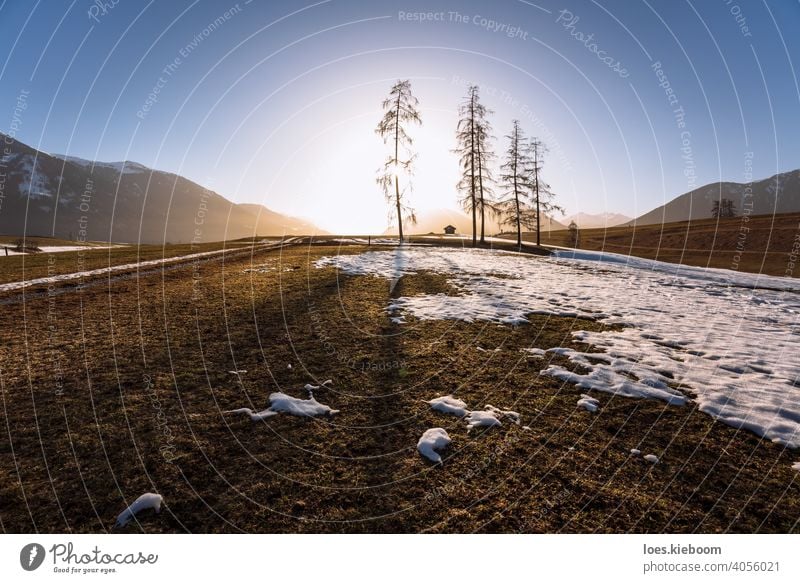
(22, 246)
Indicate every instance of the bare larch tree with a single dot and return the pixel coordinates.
(541, 194)
(515, 178)
(485, 155)
(400, 110)
(723, 209)
(574, 234)
(472, 135)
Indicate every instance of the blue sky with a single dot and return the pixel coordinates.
(276, 102)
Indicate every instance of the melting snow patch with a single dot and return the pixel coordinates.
(126, 267)
(64, 248)
(482, 419)
(589, 403)
(432, 440)
(490, 417)
(350, 240)
(254, 416)
(613, 375)
(500, 413)
(260, 269)
(311, 388)
(722, 335)
(143, 502)
(653, 459)
(450, 405)
(283, 403)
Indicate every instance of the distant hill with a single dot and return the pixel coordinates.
(434, 222)
(777, 194)
(768, 247)
(122, 202)
(599, 220)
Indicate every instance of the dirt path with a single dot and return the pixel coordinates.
(139, 269)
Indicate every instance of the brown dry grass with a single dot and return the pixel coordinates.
(84, 427)
(725, 243)
(38, 265)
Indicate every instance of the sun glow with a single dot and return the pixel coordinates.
(340, 193)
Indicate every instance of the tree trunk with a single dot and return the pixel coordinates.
(399, 208)
(538, 218)
(536, 192)
(396, 170)
(482, 201)
(480, 190)
(472, 165)
(516, 204)
(516, 187)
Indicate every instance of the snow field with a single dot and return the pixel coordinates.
(725, 338)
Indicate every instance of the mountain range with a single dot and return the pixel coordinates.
(434, 221)
(599, 220)
(774, 195)
(777, 194)
(124, 202)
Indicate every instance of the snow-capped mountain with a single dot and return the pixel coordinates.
(124, 202)
(776, 194)
(126, 167)
(599, 220)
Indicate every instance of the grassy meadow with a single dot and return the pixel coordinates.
(114, 390)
